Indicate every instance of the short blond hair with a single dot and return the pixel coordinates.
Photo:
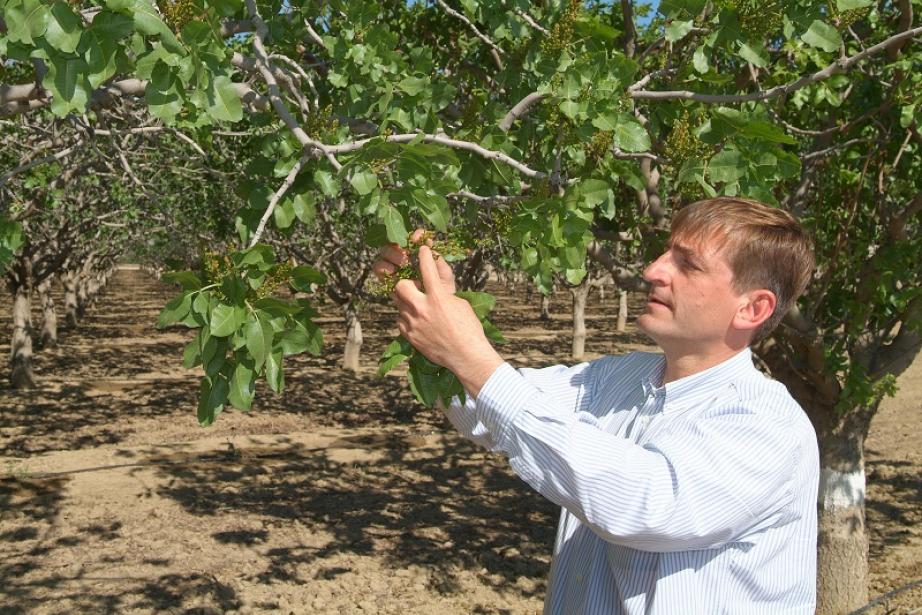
(766, 248)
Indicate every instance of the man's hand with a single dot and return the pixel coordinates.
(392, 257)
(443, 327)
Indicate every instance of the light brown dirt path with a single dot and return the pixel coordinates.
(894, 505)
(341, 496)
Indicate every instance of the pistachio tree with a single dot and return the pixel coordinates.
(576, 122)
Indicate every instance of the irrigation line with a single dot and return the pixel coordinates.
(887, 596)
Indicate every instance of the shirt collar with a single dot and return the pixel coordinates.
(711, 379)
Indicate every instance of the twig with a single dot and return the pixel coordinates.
(443, 140)
(289, 180)
(530, 20)
(839, 66)
(313, 33)
(833, 149)
(34, 163)
(187, 139)
(498, 53)
(275, 97)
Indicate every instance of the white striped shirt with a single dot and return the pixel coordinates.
(694, 497)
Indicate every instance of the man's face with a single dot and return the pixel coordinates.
(691, 302)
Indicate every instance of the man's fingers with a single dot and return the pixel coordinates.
(382, 269)
(446, 274)
(405, 294)
(394, 254)
(417, 236)
(429, 272)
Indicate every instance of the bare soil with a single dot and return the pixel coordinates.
(340, 496)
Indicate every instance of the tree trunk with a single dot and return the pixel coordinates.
(48, 338)
(353, 340)
(622, 310)
(842, 554)
(21, 375)
(83, 297)
(545, 307)
(580, 296)
(69, 279)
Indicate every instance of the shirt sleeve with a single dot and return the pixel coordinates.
(698, 484)
(562, 386)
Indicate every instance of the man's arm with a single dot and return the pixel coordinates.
(563, 386)
(701, 483)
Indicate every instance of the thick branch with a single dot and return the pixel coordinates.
(624, 277)
(520, 109)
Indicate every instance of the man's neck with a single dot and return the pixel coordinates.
(683, 364)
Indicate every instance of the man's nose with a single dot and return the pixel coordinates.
(657, 271)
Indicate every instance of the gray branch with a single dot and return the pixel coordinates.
(839, 66)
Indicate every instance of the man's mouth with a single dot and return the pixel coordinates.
(652, 299)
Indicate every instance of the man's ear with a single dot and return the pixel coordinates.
(756, 307)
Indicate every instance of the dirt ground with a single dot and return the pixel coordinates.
(340, 496)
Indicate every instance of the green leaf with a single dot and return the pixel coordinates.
(389, 362)
(224, 102)
(111, 26)
(64, 29)
(726, 166)
(423, 377)
(364, 181)
(26, 20)
(175, 310)
(326, 182)
(242, 386)
(629, 135)
(259, 337)
(493, 334)
(393, 222)
(261, 255)
(822, 35)
(413, 85)
(212, 397)
(700, 59)
(677, 30)
(754, 55)
(304, 337)
(303, 206)
(594, 191)
(226, 319)
(851, 5)
(434, 208)
(283, 214)
(482, 303)
(192, 355)
(303, 277)
(274, 373)
(276, 308)
(189, 280)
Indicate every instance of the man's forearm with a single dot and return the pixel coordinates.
(474, 369)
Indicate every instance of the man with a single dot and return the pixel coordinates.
(688, 480)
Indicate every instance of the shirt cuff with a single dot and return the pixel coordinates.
(501, 399)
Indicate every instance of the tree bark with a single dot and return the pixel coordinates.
(69, 279)
(622, 311)
(580, 296)
(21, 374)
(354, 340)
(842, 549)
(48, 338)
(545, 307)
